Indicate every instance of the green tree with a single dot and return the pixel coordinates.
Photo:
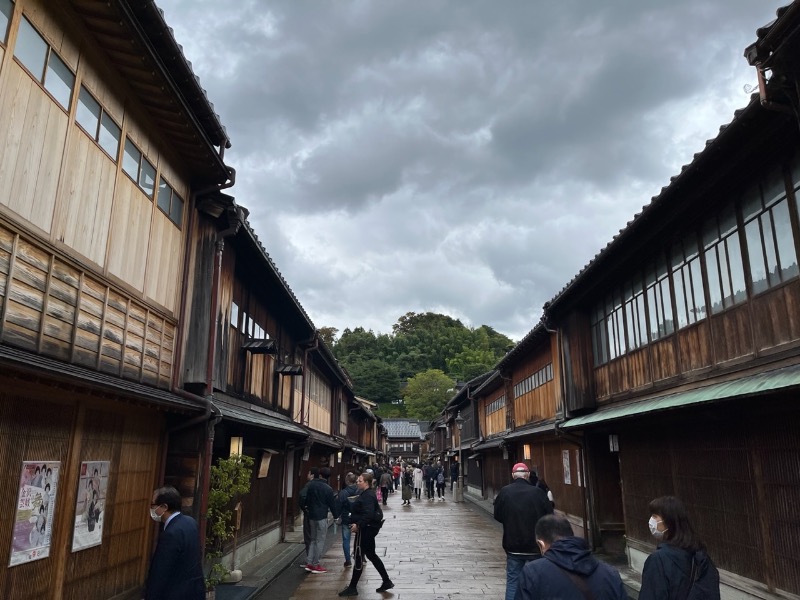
(387, 410)
(471, 362)
(427, 393)
(375, 380)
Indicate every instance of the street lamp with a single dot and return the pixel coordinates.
(460, 486)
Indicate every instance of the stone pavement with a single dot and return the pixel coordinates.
(432, 551)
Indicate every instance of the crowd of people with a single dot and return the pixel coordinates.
(544, 559)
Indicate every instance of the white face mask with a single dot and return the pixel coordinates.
(154, 515)
(653, 525)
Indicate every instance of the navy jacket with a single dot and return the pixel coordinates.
(667, 571)
(519, 506)
(543, 580)
(176, 571)
(364, 510)
(343, 502)
(318, 499)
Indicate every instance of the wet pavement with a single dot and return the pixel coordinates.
(432, 551)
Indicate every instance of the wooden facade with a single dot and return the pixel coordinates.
(94, 208)
(695, 301)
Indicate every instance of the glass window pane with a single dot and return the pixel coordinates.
(88, 113)
(59, 80)
(769, 248)
(758, 269)
(784, 240)
(714, 284)
(697, 290)
(164, 195)
(669, 319)
(110, 134)
(131, 159)
(641, 318)
(176, 212)
(5, 16)
(147, 178)
(680, 298)
(736, 263)
(31, 49)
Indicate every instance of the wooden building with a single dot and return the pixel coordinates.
(681, 345)
(404, 439)
(107, 141)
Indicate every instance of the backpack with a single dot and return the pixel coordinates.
(440, 478)
(377, 519)
(704, 578)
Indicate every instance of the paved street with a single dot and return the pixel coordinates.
(432, 550)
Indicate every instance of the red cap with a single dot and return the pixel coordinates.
(520, 468)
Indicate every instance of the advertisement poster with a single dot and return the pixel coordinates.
(565, 461)
(90, 506)
(36, 504)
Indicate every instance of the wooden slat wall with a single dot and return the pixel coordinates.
(33, 129)
(55, 309)
(495, 422)
(70, 430)
(319, 418)
(776, 316)
(538, 404)
(733, 335)
(130, 233)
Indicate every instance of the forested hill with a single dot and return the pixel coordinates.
(421, 359)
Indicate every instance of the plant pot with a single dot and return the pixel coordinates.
(211, 594)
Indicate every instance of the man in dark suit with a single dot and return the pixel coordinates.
(176, 571)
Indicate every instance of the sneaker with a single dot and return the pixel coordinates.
(304, 566)
(319, 569)
(386, 585)
(347, 563)
(309, 568)
(349, 591)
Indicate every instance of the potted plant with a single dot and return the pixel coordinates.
(230, 478)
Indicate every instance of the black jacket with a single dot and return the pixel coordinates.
(667, 572)
(365, 510)
(343, 502)
(519, 506)
(318, 499)
(544, 580)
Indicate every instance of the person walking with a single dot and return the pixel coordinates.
(440, 482)
(176, 569)
(367, 519)
(519, 506)
(318, 501)
(313, 473)
(386, 485)
(408, 485)
(397, 470)
(429, 475)
(680, 567)
(566, 554)
(453, 474)
(343, 500)
(418, 481)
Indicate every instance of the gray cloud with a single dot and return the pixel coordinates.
(453, 155)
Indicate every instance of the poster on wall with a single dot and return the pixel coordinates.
(36, 504)
(90, 505)
(565, 460)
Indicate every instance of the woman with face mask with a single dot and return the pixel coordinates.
(680, 568)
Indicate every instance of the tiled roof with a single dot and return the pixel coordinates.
(402, 428)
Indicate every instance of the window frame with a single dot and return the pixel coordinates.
(9, 16)
(99, 126)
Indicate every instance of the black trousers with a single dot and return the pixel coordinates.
(365, 548)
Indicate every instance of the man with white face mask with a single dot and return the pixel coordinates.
(176, 571)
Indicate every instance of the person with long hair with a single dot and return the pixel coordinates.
(680, 567)
(367, 518)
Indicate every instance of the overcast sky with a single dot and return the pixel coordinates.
(461, 157)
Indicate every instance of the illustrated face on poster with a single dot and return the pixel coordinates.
(36, 503)
(90, 505)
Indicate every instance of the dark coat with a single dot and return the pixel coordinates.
(544, 580)
(365, 509)
(318, 500)
(519, 506)
(176, 571)
(667, 572)
(343, 502)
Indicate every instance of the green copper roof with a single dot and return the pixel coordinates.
(750, 385)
